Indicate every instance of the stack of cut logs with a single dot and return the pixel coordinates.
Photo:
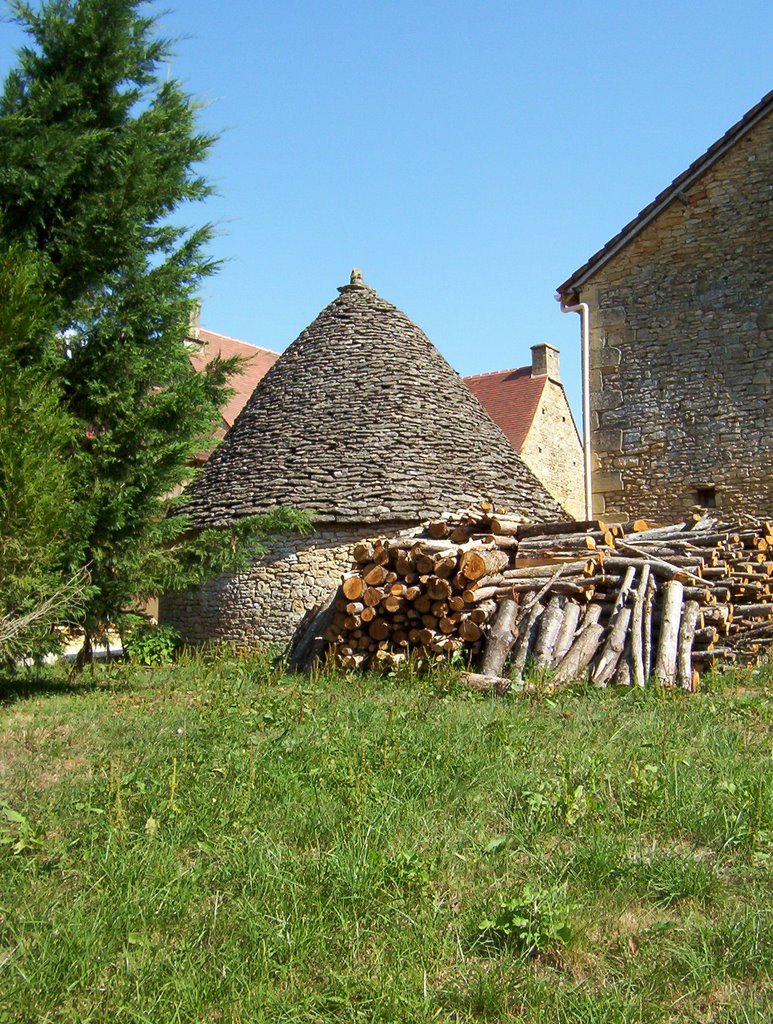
(616, 603)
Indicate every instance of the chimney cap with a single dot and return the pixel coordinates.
(545, 344)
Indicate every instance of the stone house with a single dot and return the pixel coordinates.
(531, 407)
(680, 311)
(363, 424)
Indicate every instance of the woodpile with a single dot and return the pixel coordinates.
(618, 604)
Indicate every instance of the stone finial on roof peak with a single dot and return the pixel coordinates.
(356, 282)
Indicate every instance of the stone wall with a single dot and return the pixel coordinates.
(553, 451)
(261, 607)
(682, 348)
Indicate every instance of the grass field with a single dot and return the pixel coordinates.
(213, 842)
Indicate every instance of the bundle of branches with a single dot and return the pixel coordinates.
(621, 603)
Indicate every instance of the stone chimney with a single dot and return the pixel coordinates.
(544, 362)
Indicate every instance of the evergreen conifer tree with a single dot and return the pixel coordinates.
(97, 153)
(36, 473)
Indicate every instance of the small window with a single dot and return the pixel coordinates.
(707, 497)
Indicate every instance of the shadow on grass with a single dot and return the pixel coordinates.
(25, 683)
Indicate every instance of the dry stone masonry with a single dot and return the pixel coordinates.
(552, 447)
(361, 422)
(264, 603)
(681, 342)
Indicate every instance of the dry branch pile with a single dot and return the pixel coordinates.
(620, 603)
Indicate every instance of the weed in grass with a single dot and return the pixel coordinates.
(22, 836)
(411, 872)
(151, 645)
(535, 921)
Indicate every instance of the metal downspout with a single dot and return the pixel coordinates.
(584, 310)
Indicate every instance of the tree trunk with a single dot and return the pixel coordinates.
(567, 631)
(637, 622)
(500, 639)
(579, 655)
(686, 637)
(548, 632)
(665, 662)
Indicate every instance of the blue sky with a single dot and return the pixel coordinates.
(466, 156)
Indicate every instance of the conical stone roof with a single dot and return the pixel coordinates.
(361, 420)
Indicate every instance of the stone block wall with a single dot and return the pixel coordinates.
(262, 606)
(681, 348)
(553, 451)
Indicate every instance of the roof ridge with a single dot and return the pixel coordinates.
(692, 173)
(493, 373)
(239, 341)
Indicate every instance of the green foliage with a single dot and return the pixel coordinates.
(207, 553)
(36, 468)
(98, 154)
(151, 645)
(536, 920)
(17, 832)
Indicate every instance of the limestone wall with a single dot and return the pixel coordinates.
(682, 348)
(553, 452)
(261, 607)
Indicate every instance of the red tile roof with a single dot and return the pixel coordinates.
(685, 180)
(511, 398)
(259, 362)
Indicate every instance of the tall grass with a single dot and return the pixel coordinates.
(215, 841)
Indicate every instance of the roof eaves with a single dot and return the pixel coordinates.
(696, 169)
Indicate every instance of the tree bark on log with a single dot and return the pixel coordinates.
(550, 529)
(309, 640)
(686, 638)
(613, 649)
(618, 626)
(623, 673)
(638, 676)
(548, 632)
(649, 604)
(625, 589)
(659, 566)
(501, 638)
(567, 631)
(665, 662)
(485, 684)
(579, 655)
(527, 632)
